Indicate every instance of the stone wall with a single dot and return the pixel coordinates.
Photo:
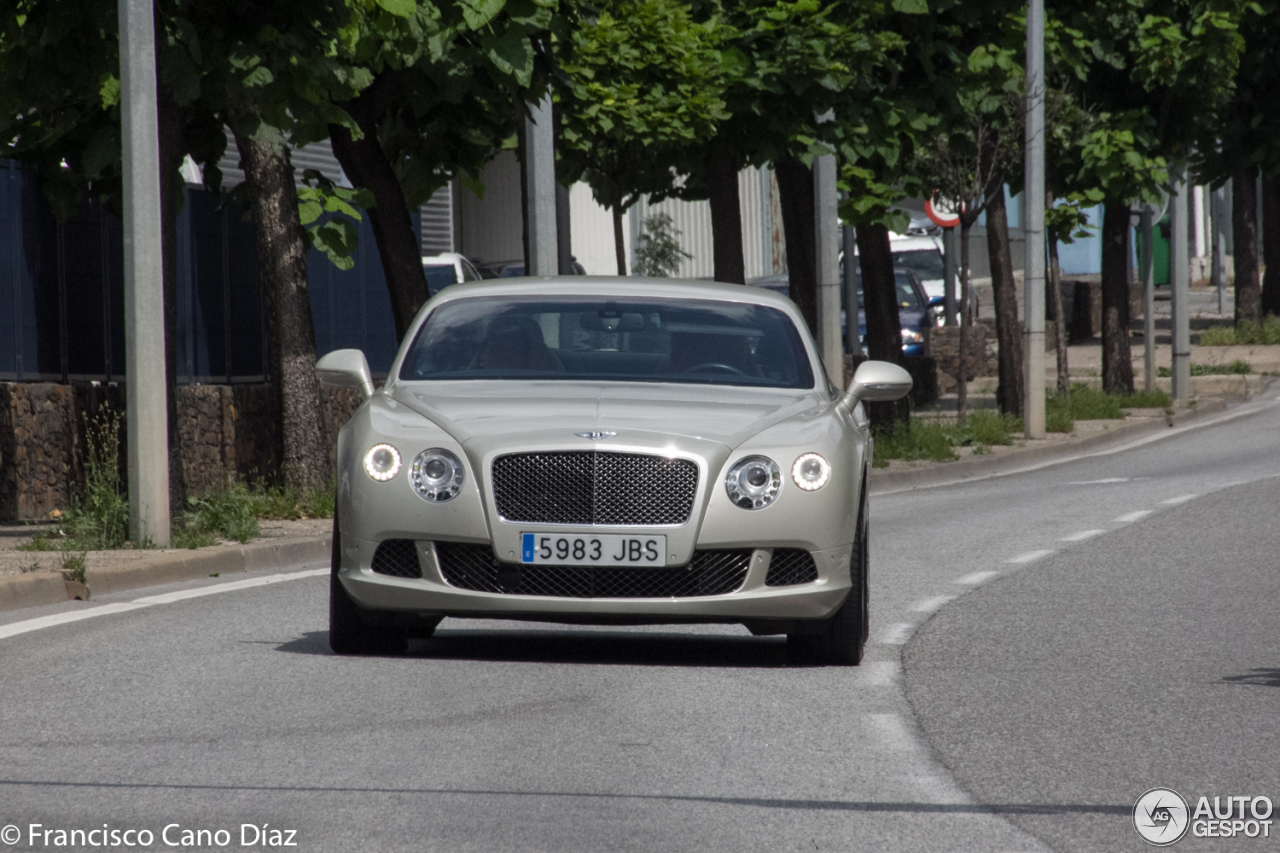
(943, 344)
(222, 431)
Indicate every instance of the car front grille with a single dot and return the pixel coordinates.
(398, 558)
(475, 567)
(791, 566)
(594, 487)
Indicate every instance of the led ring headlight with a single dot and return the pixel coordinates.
(436, 475)
(754, 482)
(382, 462)
(811, 472)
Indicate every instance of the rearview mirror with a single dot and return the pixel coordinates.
(875, 382)
(345, 368)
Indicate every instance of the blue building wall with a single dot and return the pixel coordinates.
(62, 292)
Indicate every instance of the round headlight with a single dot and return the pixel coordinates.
(754, 482)
(436, 475)
(811, 472)
(382, 462)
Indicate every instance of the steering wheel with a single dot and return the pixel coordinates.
(713, 365)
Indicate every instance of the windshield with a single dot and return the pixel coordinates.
(593, 338)
(925, 263)
(438, 277)
(907, 296)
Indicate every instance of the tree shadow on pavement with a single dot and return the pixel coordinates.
(1258, 675)
(583, 647)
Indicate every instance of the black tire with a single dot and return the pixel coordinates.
(841, 639)
(348, 633)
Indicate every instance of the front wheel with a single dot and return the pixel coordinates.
(841, 639)
(348, 633)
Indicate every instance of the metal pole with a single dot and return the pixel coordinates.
(849, 272)
(540, 156)
(1180, 284)
(1033, 277)
(1148, 300)
(1217, 215)
(145, 383)
(950, 265)
(827, 253)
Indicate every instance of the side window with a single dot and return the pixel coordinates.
(469, 272)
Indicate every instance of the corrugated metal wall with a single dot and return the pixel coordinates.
(592, 227)
(491, 227)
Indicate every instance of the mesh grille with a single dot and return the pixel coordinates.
(397, 557)
(591, 487)
(476, 568)
(791, 566)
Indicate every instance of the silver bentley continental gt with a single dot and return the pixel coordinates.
(605, 451)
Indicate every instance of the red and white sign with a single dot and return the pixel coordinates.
(941, 215)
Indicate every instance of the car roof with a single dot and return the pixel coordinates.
(904, 243)
(441, 260)
(617, 286)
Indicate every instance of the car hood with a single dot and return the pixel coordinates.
(535, 411)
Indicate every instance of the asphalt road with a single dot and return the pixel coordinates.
(1047, 684)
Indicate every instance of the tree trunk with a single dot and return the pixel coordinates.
(282, 261)
(1060, 323)
(966, 321)
(884, 328)
(1244, 241)
(1005, 294)
(172, 121)
(1271, 245)
(726, 219)
(367, 166)
(795, 185)
(619, 247)
(1117, 359)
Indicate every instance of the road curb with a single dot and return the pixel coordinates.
(43, 588)
(941, 473)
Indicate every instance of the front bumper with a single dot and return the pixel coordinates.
(432, 596)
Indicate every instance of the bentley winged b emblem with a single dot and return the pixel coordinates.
(596, 434)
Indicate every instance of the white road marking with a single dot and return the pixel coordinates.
(1082, 535)
(1128, 517)
(1029, 557)
(976, 578)
(929, 605)
(897, 634)
(29, 625)
(877, 673)
(1181, 499)
(1099, 482)
(892, 731)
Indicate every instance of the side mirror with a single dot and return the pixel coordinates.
(345, 368)
(875, 382)
(937, 301)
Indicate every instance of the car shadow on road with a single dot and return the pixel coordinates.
(581, 647)
(1264, 676)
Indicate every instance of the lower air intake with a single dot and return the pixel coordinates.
(398, 558)
(475, 567)
(791, 566)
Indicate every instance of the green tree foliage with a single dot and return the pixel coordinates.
(659, 254)
(640, 83)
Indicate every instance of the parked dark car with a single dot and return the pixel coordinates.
(915, 308)
(515, 269)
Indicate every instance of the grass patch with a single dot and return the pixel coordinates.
(74, 567)
(1057, 413)
(1231, 368)
(98, 518)
(1263, 333)
(39, 542)
(276, 501)
(225, 514)
(935, 440)
(1086, 404)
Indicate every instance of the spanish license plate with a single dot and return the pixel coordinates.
(596, 549)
